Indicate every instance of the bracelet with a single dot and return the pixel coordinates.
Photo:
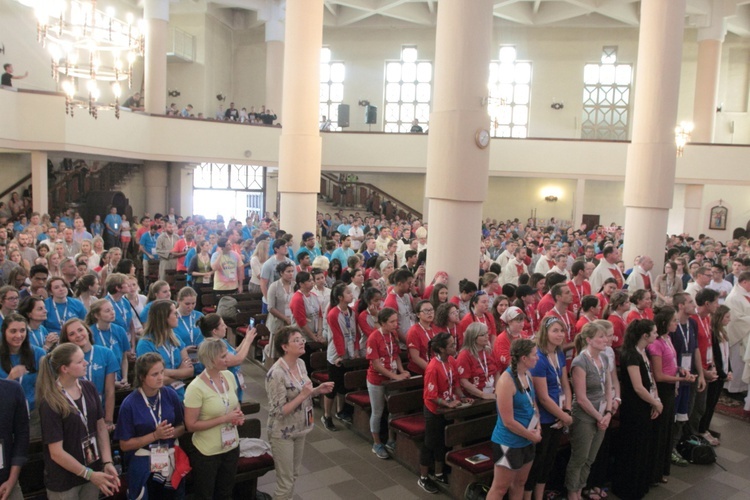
(607, 412)
(569, 412)
(87, 474)
(105, 463)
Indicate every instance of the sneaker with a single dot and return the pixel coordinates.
(427, 484)
(439, 478)
(379, 451)
(328, 423)
(678, 460)
(391, 446)
(344, 417)
(710, 438)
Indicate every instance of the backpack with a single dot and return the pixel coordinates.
(227, 308)
(696, 450)
(476, 491)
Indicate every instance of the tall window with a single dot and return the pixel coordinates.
(408, 91)
(510, 93)
(332, 75)
(228, 190)
(606, 98)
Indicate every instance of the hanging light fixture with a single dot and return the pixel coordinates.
(88, 44)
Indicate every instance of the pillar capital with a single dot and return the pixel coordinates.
(713, 26)
(156, 9)
(274, 15)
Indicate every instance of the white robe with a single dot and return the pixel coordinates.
(601, 273)
(739, 329)
(635, 280)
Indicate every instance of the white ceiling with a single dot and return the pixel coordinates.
(522, 13)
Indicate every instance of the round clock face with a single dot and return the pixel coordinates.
(482, 138)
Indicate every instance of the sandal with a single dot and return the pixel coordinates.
(590, 494)
(602, 492)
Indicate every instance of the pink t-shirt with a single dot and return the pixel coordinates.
(662, 346)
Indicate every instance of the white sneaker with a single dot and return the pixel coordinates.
(711, 439)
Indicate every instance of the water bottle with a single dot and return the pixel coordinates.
(117, 462)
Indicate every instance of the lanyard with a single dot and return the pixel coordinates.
(90, 367)
(602, 372)
(564, 319)
(169, 359)
(37, 336)
(189, 326)
(83, 415)
(426, 334)
(527, 391)
(706, 328)
(555, 362)
(298, 382)
(648, 368)
(484, 366)
(223, 394)
(388, 345)
(685, 335)
(448, 376)
(156, 406)
(60, 320)
(100, 333)
(123, 311)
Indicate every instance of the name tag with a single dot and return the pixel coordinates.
(686, 362)
(228, 437)
(394, 366)
(90, 449)
(562, 400)
(309, 416)
(177, 385)
(160, 459)
(2, 455)
(241, 380)
(533, 423)
(602, 407)
(709, 355)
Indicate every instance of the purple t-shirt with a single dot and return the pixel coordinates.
(662, 346)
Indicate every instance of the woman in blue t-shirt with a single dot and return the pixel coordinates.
(60, 307)
(517, 429)
(19, 361)
(102, 364)
(107, 334)
(212, 326)
(149, 422)
(554, 398)
(159, 290)
(33, 309)
(159, 337)
(186, 329)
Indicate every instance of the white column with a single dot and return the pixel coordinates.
(274, 17)
(155, 183)
(578, 208)
(156, 17)
(300, 143)
(650, 168)
(693, 207)
(39, 182)
(457, 169)
(710, 40)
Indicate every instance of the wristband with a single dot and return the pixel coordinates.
(105, 463)
(607, 412)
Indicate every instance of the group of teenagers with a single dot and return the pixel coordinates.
(556, 357)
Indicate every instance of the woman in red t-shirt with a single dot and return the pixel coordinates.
(608, 288)
(479, 307)
(368, 308)
(590, 311)
(641, 299)
(514, 318)
(418, 336)
(476, 368)
(441, 390)
(385, 364)
(618, 305)
(499, 306)
(447, 319)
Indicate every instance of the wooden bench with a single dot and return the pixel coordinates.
(405, 406)
(355, 382)
(468, 438)
(319, 364)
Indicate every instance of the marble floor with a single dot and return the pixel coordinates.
(340, 465)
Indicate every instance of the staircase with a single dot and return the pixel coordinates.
(342, 194)
(71, 185)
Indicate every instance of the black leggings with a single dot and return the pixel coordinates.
(544, 457)
(713, 391)
(433, 449)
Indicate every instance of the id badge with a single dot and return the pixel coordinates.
(488, 389)
(394, 366)
(228, 437)
(2, 455)
(90, 449)
(686, 362)
(490, 382)
(532, 424)
(602, 408)
(206, 280)
(562, 400)
(177, 385)
(159, 459)
(309, 416)
(709, 355)
(241, 380)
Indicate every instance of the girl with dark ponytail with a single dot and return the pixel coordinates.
(517, 429)
(442, 389)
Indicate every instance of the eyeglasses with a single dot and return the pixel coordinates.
(427, 311)
(298, 341)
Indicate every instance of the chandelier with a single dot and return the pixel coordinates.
(88, 44)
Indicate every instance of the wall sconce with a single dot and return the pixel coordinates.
(682, 136)
(557, 106)
(174, 93)
(551, 198)
(551, 194)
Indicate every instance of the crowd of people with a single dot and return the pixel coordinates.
(557, 330)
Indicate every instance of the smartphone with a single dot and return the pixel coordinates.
(251, 324)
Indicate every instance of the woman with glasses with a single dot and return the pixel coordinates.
(8, 301)
(466, 290)
(479, 312)
(447, 318)
(418, 338)
(476, 367)
(290, 408)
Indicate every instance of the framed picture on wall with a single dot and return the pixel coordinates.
(718, 218)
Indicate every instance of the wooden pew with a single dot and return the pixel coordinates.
(406, 418)
(355, 382)
(468, 438)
